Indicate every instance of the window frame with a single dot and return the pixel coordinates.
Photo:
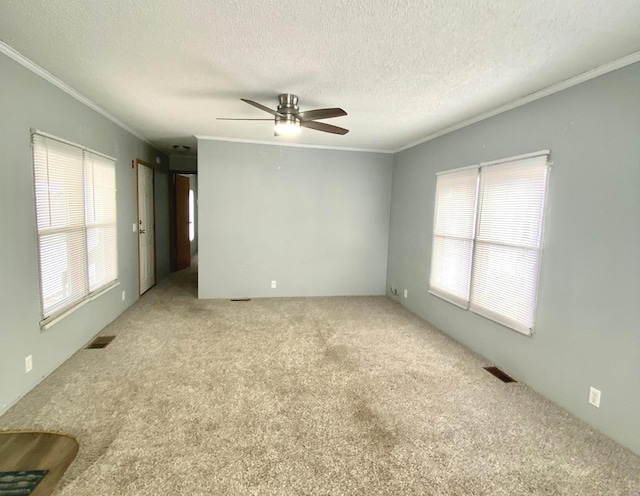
(497, 317)
(48, 319)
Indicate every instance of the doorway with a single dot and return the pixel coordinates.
(183, 243)
(146, 226)
(184, 226)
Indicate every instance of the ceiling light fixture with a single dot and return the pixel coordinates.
(181, 148)
(287, 126)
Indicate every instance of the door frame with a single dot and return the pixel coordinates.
(153, 194)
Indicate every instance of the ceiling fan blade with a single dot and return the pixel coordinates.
(321, 126)
(313, 115)
(262, 107)
(240, 119)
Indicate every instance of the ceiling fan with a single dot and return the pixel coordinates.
(288, 119)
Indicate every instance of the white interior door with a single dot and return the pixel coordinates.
(146, 223)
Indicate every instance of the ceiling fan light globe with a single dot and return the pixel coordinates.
(287, 128)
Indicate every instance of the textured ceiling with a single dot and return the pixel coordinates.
(402, 70)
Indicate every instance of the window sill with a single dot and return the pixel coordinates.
(450, 299)
(51, 321)
(487, 314)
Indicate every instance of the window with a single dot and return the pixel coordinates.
(75, 197)
(192, 208)
(487, 238)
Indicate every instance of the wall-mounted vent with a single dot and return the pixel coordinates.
(100, 342)
(495, 371)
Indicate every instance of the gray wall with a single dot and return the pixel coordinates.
(588, 318)
(162, 209)
(314, 220)
(28, 101)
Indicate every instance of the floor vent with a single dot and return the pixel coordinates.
(240, 299)
(100, 342)
(495, 371)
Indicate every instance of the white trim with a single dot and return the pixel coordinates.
(47, 76)
(496, 162)
(458, 169)
(296, 145)
(541, 247)
(62, 140)
(500, 319)
(555, 88)
(516, 158)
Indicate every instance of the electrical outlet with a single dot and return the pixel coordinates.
(594, 397)
(124, 295)
(273, 284)
(28, 364)
(406, 293)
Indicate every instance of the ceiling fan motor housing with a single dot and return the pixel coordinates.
(288, 104)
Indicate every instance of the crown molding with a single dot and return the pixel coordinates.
(563, 85)
(47, 76)
(294, 145)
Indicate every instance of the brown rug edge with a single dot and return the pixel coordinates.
(56, 465)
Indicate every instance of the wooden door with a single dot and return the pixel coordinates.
(183, 245)
(146, 228)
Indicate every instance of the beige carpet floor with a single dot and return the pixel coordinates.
(306, 396)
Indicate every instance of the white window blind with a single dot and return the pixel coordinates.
(453, 234)
(100, 211)
(508, 242)
(487, 245)
(76, 221)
